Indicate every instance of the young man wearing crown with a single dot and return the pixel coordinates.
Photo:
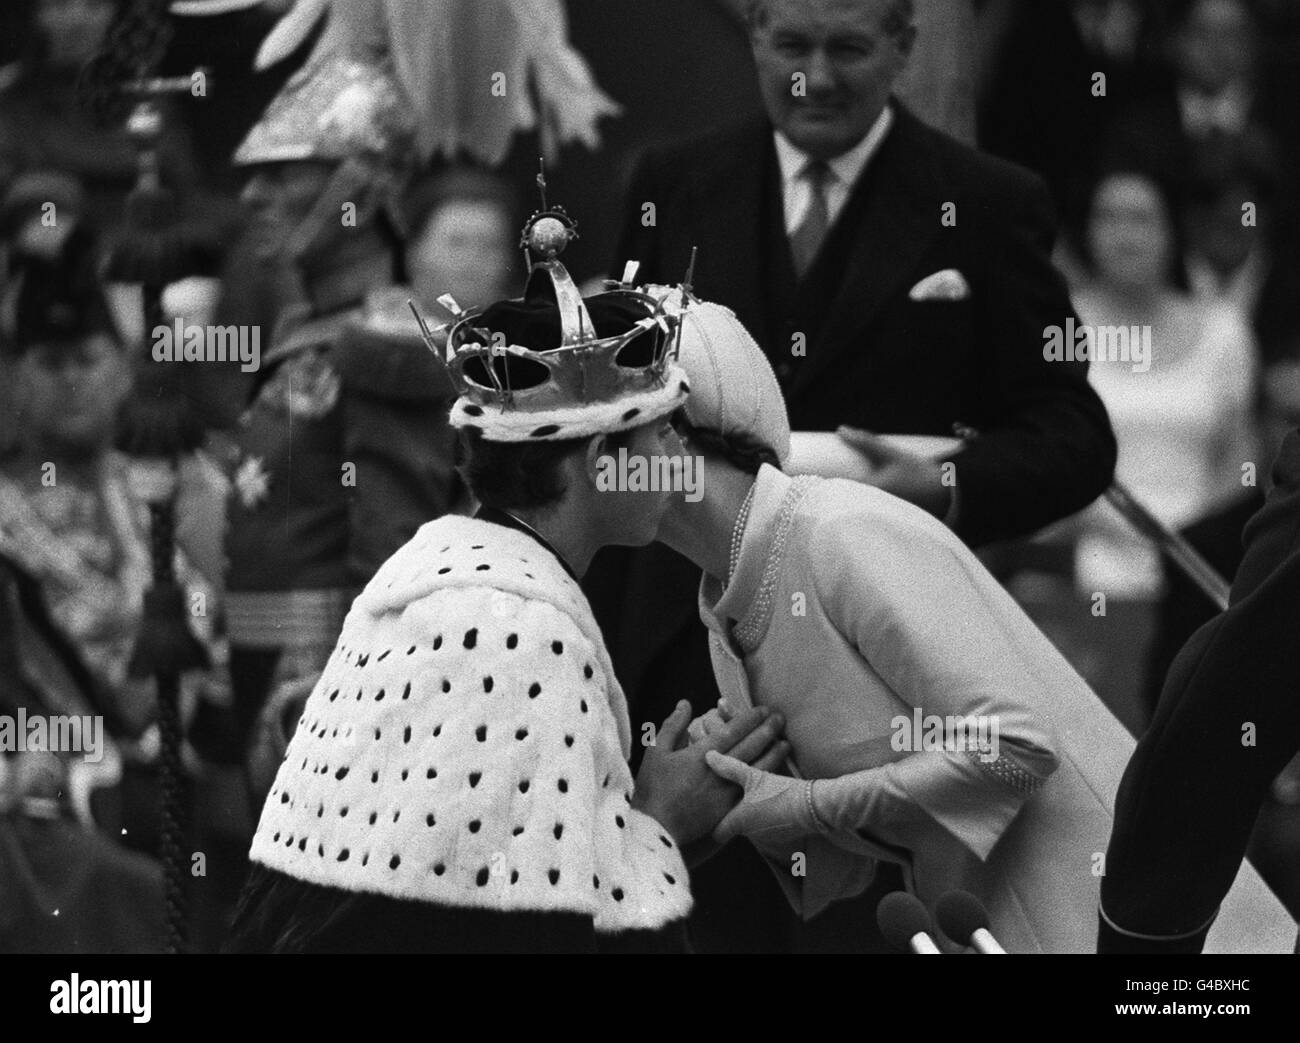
(459, 779)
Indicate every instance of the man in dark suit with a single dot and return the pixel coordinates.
(899, 282)
(822, 236)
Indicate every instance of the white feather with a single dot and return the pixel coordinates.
(289, 32)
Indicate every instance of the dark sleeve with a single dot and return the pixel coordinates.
(1273, 534)
(395, 403)
(1052, 451)
(1189, 798)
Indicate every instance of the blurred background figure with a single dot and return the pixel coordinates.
(45, 126)
(70, 519)
(66, 888)
(1216, 108)
(44, 239)
(464, 238)
(1183, 416)
(42, 124)
(74, 566)
(1242, 240)
(341, 453)
(1123, 39)
(69, 513)
(1035, 107)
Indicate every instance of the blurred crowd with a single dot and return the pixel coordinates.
(1180, 203)
(1165, 130)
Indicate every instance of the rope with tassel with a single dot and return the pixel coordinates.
(159, 425)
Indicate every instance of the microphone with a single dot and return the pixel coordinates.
(906, 924)
(964, 919)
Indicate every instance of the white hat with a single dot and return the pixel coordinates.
(733, 388)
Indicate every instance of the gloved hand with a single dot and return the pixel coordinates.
(774, 810)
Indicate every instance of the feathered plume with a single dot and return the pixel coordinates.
(475, 71)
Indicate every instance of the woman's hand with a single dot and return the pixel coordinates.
(675, 785)
(774, 809)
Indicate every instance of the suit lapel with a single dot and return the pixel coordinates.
(887, 225)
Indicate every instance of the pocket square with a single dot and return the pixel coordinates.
(947, 285)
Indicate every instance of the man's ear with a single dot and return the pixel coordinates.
(597, 450)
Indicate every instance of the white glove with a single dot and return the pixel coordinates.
(774, 811)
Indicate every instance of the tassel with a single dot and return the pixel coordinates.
(165, 644)
(161, 418)
(153, 249)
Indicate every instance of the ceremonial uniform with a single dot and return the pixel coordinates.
(345, 450)
(343, 454)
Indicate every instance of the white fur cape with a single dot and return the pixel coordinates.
(467, 745)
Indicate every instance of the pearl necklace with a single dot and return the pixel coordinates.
(738, 532)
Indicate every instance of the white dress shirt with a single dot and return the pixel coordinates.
(845, 171)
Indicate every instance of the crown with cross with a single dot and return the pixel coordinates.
(554, 365)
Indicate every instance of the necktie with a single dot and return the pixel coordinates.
(807, 238)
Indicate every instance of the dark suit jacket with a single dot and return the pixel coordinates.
(1189, 797)
(875, 358)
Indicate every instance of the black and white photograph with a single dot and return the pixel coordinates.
(649, 477)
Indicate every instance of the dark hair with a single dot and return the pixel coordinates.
(520, 475)
(57, 301)
(897, 21)
(1171, 195)
(743, 451)
(276, 913)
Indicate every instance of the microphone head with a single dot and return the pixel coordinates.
(960, 915)
(901, 917)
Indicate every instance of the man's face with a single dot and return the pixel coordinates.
(72, 393)
(1216, 46)
(631, 517)
(73, 29)
(826, 69)
(279, 197)
(463, 249)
